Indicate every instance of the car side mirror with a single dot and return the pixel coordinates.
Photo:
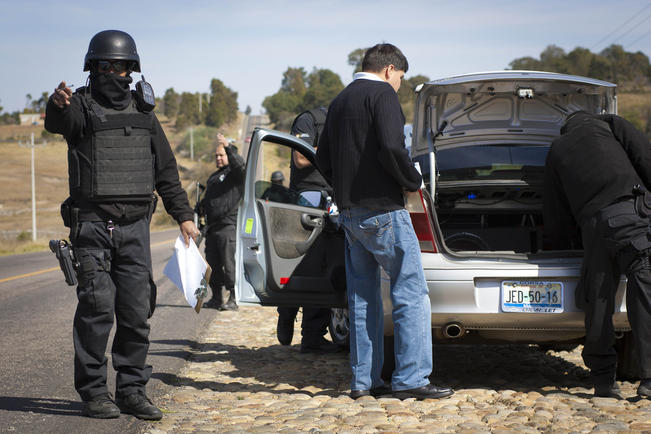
(311, 198)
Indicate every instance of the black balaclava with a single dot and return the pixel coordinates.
(110, 90)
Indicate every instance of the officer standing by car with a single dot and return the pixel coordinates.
(117, 155)
(303, 176)
(224, 190)
(597, 173)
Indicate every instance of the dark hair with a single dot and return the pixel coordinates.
(382, 55)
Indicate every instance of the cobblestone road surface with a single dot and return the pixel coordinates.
(239, 379)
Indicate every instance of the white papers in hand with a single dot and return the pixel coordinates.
(187, 270)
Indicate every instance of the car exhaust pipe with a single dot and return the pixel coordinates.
(453, 330)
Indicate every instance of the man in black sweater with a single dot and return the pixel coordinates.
(224, 190)
(362, 153)
(596, 174)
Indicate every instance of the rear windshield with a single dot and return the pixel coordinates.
(491, 162)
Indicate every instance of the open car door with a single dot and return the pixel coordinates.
(289, 252)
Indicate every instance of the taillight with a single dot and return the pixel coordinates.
(421, 221)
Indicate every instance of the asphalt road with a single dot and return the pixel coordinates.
(37, 394)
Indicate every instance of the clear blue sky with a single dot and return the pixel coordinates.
(249, 44)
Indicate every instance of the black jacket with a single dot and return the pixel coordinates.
(307, 178)
(595, 162)
(73, 123)
(224, 190)
(362, 149)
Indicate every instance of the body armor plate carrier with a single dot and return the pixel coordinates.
(115, 161)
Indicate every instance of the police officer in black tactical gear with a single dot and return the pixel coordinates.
(117, 155)
(304, 176)
(597, 175)
(277, 192)
(224, 190)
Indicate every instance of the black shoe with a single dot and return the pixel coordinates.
(139, 405)
(212, 303)
(321, 346)
(426, 392)
(100, 407)
(644, 389)
(285, 330)
(230, 304)
(611, 390)
(375, 392)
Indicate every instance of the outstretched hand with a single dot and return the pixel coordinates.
(61, 95)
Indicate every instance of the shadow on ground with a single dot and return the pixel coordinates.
(61, 407)
(522, 368)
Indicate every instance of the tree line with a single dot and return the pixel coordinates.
(213, 109)
(300, 90)
(630, 71)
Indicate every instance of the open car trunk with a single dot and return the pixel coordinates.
(489, 198)
(490, 218)
(486, 136)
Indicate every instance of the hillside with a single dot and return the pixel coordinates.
(51, 176)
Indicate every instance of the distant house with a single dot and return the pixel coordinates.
(32, 118)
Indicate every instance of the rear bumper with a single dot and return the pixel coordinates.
(467, 294)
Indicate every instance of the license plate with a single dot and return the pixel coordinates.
(532, 296)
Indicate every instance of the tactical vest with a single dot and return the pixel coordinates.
(114, 162)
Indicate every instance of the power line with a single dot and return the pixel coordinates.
(630, 29)
(639, 39)
(635, 15)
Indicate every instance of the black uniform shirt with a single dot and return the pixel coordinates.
(224, 190)
(306, 178)
(72, 123)
(588, 168)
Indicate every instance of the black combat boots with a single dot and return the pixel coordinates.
(139, 405)
(100, 407)
(230, 304)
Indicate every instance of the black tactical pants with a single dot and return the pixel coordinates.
(114, 282)
(314, 324)
(616, 241)
(220, 255)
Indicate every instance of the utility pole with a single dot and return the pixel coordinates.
(191, 145)
(200, 98)
(32, 146)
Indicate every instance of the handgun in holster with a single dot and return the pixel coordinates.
(642, 200)
(64, 253)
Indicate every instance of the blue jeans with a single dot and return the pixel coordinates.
(386, 239)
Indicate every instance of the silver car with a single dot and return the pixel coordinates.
(479, 219)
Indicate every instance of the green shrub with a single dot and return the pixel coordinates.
(205, 140)
(24, 236)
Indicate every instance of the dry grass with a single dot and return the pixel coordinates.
(51, 176)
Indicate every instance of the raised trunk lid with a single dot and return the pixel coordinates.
(503, 106)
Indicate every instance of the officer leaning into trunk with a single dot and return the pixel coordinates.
(117, 155)
(597, 173)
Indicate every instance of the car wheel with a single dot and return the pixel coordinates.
(628, 367)
(339, 327)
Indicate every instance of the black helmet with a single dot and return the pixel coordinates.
(112, 45)
(277, 176)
